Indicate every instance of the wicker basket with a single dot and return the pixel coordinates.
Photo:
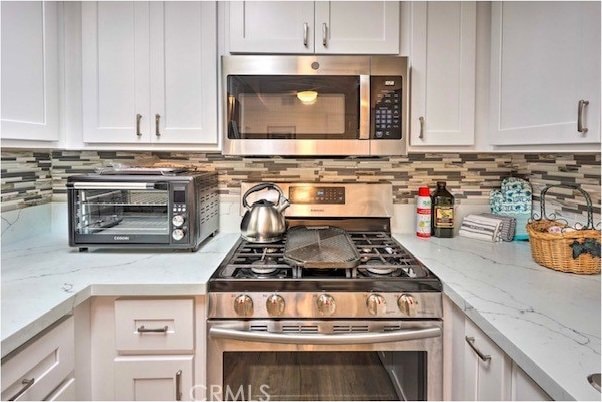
(576, 251)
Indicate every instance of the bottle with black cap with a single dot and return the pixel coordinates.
(442, 222)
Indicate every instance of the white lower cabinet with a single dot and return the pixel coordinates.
(524, 388)
(41, 367)
(487, 368)
(153, 378)
(65, 392)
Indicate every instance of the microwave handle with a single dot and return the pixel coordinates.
(114, 185)
(323, 339)
(364, 107)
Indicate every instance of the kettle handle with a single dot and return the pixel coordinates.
(259, 187)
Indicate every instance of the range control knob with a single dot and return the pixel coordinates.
(178, 220)
(243, 305)
(407, 305)
(376, 305)
(275, 305)
(178, 234)
(326, 304)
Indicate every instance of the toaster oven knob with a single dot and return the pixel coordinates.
(177, 220)
(326, 304)
(407, 305)
(275, 305)
(177, 234)
(243, 305)
(376, 305)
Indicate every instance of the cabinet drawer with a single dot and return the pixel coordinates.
(154, 325)
(45, 363)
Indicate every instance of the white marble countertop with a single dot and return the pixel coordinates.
(43, 278)
(548, 322)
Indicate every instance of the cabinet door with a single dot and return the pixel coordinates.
(271, 26)
(357, 27)
(65, 392)
(524, 388)
(486, 377)
(443, 46)
(153, 378)
(29, 71)
(115, 71)
(183, 72)
(545, 58)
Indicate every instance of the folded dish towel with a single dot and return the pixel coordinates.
(481, 227)
(508, 228)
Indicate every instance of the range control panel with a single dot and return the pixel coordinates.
(385, 99)
(316, 195)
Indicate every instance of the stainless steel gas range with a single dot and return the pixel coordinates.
(372, 331)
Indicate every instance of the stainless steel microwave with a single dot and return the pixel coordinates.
(315, 105)
(142, 208)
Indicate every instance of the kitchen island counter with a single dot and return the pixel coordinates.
(548, 322)
(43, 278)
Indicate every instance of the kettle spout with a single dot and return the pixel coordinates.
(284, 204)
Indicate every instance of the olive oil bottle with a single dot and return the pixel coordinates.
(442, 221)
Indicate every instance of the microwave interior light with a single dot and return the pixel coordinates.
(307, 97)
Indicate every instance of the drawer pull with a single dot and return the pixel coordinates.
(143, 330)
(470, 341)
(26, 385)
(179, 385)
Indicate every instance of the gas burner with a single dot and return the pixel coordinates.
(367, 250)
(383, 272)
(264, 266)
(378, 267)
(270, 250)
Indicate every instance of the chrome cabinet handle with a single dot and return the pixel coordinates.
(26, 385)
(483, 357)
(324, 34)
(143, 330)
(138, 118)
(305, 33)
(321, 339)
(582, 105)
(421, 120)
(157, 120)
(179, 385)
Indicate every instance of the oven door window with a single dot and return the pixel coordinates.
(325, 376)
(123, 215)
(293, 107)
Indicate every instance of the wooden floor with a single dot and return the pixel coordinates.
(325, 376)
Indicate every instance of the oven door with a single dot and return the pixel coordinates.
(324, 360)
(119, 212)
(297, 105)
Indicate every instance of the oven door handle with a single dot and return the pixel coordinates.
(322, 339)
(113, 185)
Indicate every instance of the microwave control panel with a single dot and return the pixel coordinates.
(385, 98)
(179, 216)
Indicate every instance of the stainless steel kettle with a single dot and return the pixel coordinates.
(264, 222)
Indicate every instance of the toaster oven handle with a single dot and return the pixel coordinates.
(323, 339)
(113, 185)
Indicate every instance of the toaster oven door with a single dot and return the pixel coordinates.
(120, 212)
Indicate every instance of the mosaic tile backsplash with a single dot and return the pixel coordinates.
(468, 176)
(26, 179)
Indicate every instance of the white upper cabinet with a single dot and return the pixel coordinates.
(357, 27)
(443, 48)
(183, 72)
(149, 72)
(545, 60)
(29, 83)
(271, 26)
(327, 27)
(115, 68)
